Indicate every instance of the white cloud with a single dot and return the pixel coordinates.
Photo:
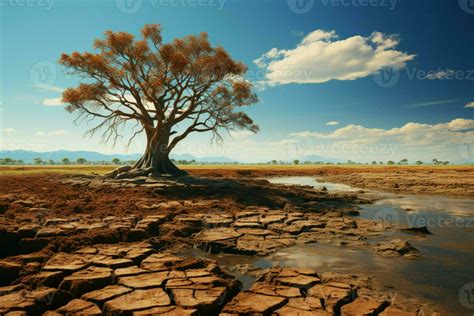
(321, 57)
(332, 123)
(469, 105)
(52, 102)
(241, 134)
(440, 75)
(8, 130)
(412, 141)
(60, 132)
(48, 87)
(39, 133)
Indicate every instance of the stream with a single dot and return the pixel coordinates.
(445, 274)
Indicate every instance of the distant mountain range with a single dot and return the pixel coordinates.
(58, 155)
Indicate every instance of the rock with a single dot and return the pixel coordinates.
(363, 307)
(86, 280)
(65, 262)
(28, 231)
(417, 230)
(333, 297)
(10, 288)
(33, 302)
(113, 263)
(105, 294)
(129, 271)
(160, 262)
(393, 311)
(299, 281)
(47, 278)
(79, 307)
(395, 247)
(168, 310)
(143, 281)
(249, 303)
(206, 301)
(136, 301)
(9, 271)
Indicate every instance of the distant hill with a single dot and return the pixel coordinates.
(58, 155)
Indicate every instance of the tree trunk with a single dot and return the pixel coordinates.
(156, 157)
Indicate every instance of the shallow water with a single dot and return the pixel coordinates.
(448, 254)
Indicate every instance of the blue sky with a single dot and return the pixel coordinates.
(319, 81)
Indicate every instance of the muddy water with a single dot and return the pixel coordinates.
(447, 263)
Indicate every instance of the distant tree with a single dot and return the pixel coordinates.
(296, 162)
(8, 161)
(350, 162)
(159, 86)
(374, 162)
(38, 161)
(445, 162)
(51, 162)
(419, 162)
(81, 161)
(404, 161)
(380, 162)
(116, 161)
(435, 161)
(66, 161)
(273, 162)
(390, 162)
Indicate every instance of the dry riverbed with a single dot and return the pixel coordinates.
(80, 244)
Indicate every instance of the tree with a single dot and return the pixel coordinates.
(446, 163)
(51, 162)
(81, 161)
(273, 162)
(65, 161)
(157, 86)
(419, 162)
(390, 162)
(374, 162)
(116, 161)
(404, 161)
(296, 162)
(38, 161)
(435, 161)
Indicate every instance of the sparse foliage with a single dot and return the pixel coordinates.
(156, 86)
